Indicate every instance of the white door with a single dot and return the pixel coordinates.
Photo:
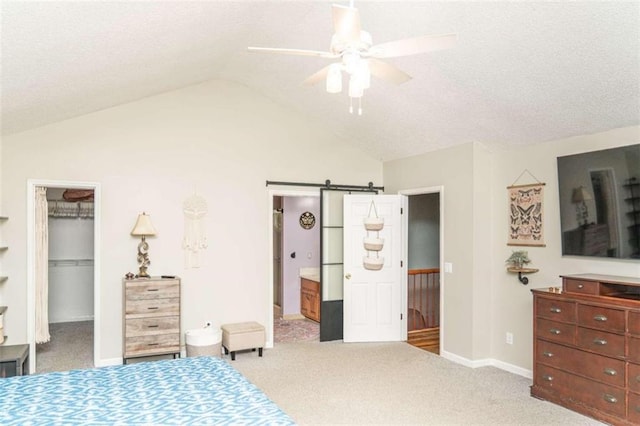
(375, 272)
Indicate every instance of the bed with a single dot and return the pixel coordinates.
(187, 391)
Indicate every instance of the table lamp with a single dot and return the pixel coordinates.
(143, 228)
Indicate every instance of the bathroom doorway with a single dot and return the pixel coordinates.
(295, 251)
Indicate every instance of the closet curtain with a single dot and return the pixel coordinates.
(42, 266)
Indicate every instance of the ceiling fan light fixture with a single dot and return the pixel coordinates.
(334, 78)
(363, 73)
(356, 89)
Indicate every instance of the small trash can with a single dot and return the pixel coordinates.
(203, 342)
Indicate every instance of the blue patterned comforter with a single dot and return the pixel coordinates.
(188, 391)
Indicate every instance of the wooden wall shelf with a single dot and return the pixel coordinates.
(524, 280)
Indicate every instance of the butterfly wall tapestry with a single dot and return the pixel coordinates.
(526, 220)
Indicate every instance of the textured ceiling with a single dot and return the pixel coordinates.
(522, 72)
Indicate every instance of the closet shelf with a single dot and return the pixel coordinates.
(71, 209)
(70, 262)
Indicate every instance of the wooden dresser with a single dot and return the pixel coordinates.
(310, 299)
(587, 346)
(151, 324)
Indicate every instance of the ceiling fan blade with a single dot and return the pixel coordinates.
(299, 52)
(346, 22)
(316, 77)
(388, 72)
(413, 46)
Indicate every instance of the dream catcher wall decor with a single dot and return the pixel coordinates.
(526, 214)
(195, 238)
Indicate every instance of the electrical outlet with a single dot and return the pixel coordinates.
(509, 338)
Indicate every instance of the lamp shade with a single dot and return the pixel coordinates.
(143, 226)
(580, 194)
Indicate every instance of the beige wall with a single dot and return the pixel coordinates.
(218, 138)
(453, 169)
(482, 300)
(512, 301)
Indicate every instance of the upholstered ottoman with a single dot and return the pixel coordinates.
(242, 335)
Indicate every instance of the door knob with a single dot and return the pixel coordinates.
(348, 276)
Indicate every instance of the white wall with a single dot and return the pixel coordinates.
(70, 269)
(217, 137)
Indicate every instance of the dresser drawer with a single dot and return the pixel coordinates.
(143, 308)
(609, 399)
(152, 290)
(557, 310)
(634, 349)
(556, 331)
(634, 323)
(149, 345)
(601, 318)
(601, 342)
(152, 326)
(606, 370)
(633, 374)
(634, 408)
(572, 285)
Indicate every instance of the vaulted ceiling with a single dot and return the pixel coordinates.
(521, 72)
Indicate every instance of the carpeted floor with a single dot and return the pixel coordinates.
(394, 383)
(70, 347)
(299, 330)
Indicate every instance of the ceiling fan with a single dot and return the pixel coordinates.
(358, 57)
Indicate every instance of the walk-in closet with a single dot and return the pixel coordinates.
(70, 281)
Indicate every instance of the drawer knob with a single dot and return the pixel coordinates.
(554, 331)
(153, 344)
(610, 372)
(152, 307)
(547, 354)
(600, 318)
(610, 398)
(555, 310)
(547, 378)
(153, 326)
(580, 286)
(600, 342)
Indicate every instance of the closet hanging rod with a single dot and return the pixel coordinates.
(328, 185)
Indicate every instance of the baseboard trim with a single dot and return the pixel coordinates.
(109, 362)
(293, 316)
(487, 362)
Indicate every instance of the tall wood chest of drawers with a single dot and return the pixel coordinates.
(587, 346)
(151, 324)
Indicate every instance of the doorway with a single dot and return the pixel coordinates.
(424, 257)
(295, 253)
(74, 313)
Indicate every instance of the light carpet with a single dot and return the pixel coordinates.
(393, 383)
(70, 347)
